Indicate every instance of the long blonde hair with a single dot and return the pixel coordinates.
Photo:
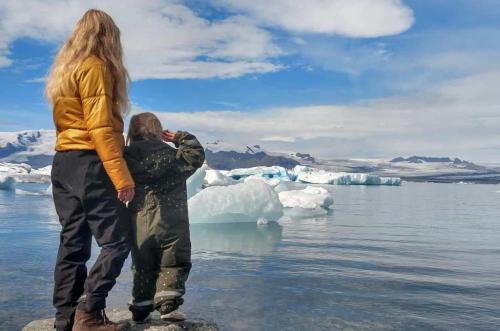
(95, 34)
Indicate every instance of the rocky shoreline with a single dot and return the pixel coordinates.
(153, 324)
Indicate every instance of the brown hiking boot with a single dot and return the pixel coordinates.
(96, 321)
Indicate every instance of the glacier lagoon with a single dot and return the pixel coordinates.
(414, 257)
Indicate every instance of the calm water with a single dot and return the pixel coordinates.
(416, 257)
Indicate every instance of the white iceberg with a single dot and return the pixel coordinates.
(309, 198)
(45, 171)
(7, 183)
(195, 182)
(23, 172)
(217, 178)
(24, 192)
(309, 202)
(318, 176)
(243, 202)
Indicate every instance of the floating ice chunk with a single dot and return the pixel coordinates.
(309, 198)
(195, 182)
(45, 171)
(217, 178)
(309, 202)
(268, 172)
(7, 183)
(23, 192)
(243, 202)
(319, 176)
(262, 221)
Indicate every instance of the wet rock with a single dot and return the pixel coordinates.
(154, 324)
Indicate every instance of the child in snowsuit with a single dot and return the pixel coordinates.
(161, 247)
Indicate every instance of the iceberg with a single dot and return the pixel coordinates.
(309, 202)
(195, 182)
(23, 172)
(242, 202)
(7, 183)
(310, 197)
(45, 171)
(318, 176)
(217, 178)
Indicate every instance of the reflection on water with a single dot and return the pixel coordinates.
(236, 238)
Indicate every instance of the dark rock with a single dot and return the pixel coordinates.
(154, 324)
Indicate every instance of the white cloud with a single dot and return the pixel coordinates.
(352, 18)
(460, 118)
(162, 39)
(167, 39)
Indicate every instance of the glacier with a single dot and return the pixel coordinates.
(243, 202)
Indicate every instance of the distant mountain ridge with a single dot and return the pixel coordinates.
(36, 148)
(422, 159)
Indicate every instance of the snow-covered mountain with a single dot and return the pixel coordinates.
(33, 147)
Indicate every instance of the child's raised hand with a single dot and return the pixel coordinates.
(168, 136)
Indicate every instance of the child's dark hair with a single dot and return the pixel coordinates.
(144, 126)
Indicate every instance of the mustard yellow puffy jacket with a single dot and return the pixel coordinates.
(87, 120)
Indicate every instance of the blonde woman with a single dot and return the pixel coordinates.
(87, 88)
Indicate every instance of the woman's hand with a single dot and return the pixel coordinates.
(126, 195)
(168, 136)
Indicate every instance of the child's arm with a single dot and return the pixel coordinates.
(190, 154)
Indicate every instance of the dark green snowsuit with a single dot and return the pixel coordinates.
(161, 248)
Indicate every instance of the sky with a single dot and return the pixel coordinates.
(334, 78)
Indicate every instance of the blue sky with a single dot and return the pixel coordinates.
(322, 77)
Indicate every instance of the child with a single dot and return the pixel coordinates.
(161, 247)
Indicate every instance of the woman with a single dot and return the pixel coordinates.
(87, 87)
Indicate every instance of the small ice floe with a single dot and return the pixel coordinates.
(242, 202)
(7, 183)
(262, 221)
(217, 178)
(309, 202)
(318, 176)
(45, 171)
(24, 192)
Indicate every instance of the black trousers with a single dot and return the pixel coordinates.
(87, 206)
